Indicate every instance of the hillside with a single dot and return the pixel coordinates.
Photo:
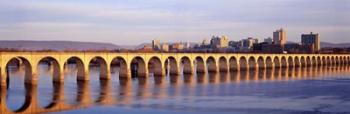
(74, 45)
(56, 45)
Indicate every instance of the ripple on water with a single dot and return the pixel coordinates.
(208, 96)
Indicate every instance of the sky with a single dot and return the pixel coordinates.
(132, 22)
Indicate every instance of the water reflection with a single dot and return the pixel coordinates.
(155, 92)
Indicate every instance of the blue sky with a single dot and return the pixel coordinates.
(130, 22)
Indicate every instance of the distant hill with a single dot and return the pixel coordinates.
(327, 44)
(56, 45)
(74, 45)
(335, 45)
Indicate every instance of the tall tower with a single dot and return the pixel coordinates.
(279, 37)
(156, 44)
(312, 40)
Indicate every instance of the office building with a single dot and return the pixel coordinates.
(247, 44)
(156, 44)
(219, 42)
(279, 37)
(312, 40)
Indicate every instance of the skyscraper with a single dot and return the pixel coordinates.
(279, 37)
(156, 44)
(249, 43)
(312, 40)
(219, 42)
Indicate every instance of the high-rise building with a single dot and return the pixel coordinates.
(165, 47)
(219, 42)
(312, 40)
(247, 44)
(156, 44)
(279, 37)
(235, 44)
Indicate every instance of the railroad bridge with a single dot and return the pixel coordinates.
(159, 64)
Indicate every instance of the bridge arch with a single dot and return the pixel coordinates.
(223, 66)
(333, 60)
(186, 65)
(23, 65)
(100, 62)
(19, 61)
(212, 67)
(252, 63)
(49, 73)
(200, 65)
(155, 66)
(243, 63)
(277, 62)
(336, 60)
(173, 65)
(324, 61)
(78, 64)
(123, 67)
(233, 64)
(319, 61)
(138, 67)
(54, 65)
(329, 61)
(290, 61)
(297, 61)
(343, 59)
(284, 62)
(308, 61)
(261, 63)
(269, 62)
(302, 61)
(313, 61)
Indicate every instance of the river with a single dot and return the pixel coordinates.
(311, 90)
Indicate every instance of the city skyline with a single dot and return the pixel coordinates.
(173, 21)
(174, 56)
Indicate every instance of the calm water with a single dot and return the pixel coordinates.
(298, 90)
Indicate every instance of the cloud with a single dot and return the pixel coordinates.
(175, 20)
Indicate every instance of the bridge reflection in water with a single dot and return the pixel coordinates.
(125, 92)
(158, 64)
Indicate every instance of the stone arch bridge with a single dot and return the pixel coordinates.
(141, 64)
